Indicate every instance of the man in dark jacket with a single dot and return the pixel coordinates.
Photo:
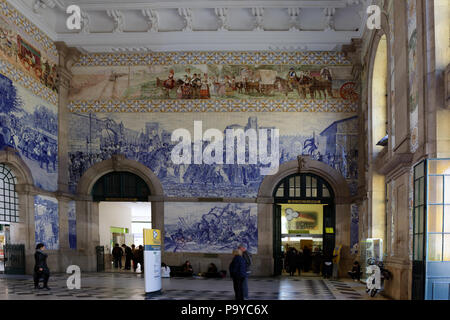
(40, 267)
(248, 262)
(238, 273)
(128, 256)
(117, 254)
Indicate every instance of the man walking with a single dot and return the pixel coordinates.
(248, 261)
(40, 268)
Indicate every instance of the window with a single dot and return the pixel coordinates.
(438, 218)
(9, 204)
(303, 186)
(419, 211)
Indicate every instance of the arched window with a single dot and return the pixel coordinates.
(303, 186)
(9, 203)
(120, 186)
(380, 96)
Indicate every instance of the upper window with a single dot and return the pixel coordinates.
(9, 204)
(303, 186)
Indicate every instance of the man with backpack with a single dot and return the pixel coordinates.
(248, 262)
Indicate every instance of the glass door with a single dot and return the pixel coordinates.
(437, 270)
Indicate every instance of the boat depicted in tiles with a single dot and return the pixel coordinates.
(331, 138)
(212, 81)
(30, 125)
(210, 227)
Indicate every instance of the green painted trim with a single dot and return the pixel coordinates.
(118, 230)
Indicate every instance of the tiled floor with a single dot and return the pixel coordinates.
(124, 286)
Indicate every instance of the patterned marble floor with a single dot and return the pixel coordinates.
(129, 286)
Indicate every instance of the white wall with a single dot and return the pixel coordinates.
(120, 215)
(113, 214)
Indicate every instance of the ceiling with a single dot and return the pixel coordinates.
(189, 25)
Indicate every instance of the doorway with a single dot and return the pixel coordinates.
(304, 219)
(124, 211)
(122, 223)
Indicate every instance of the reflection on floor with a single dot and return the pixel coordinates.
(130, 286)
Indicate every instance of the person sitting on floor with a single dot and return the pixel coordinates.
(186, 269)
(165, 271)
(212, 271)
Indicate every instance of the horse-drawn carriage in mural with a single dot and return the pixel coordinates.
(310, 84)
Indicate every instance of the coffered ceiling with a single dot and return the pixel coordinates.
(185, 25)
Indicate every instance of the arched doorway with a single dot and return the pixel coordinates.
(114, 181)
(124, 211)
(304, 216)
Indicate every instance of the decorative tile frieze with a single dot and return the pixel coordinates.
(26, 26)
(319, 58)
(230, 105)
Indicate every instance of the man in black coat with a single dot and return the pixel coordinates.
(40, 267)
(128, 256)
(117, 254)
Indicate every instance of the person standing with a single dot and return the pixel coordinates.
(248, 262)
(40, 267)
(298, 262)
(238, 272)
(128, 256)
(134, 257)
(117, 254)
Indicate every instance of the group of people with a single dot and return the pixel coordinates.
(302, 260)
(132, 254)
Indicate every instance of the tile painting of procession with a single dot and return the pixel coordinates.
(141, 137)
(212, 82)
(30, 126)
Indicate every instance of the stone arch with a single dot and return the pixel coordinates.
(88, 236)
(10, 157)
(342, 203)
(332, 176)
(118, 163)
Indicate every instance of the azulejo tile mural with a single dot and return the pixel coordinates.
(46, 222)
(354, 229)
(331, 138)
(210, 227)
(26, 27)
(213, 82)
(26, 57)
(72, 225)
(413, 97)
(30, 125)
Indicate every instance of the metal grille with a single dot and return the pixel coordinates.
(9, 203)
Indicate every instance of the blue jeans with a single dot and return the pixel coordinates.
(245, 286)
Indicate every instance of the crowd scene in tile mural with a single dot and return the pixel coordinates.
(96, 138)
(210, 227)
(212, 82)
(31, 129)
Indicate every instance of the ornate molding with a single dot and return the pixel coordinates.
(118, 18)
(153, 19)
(258, 13)
(186, 14)
(222, 15)
(294, 13)
(329, 19)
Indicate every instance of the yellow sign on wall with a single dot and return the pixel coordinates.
(152, 237)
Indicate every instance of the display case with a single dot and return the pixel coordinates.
(371, 248)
